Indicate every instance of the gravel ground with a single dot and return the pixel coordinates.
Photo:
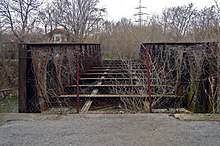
(107, 129)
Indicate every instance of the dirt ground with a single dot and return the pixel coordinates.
(107, 129)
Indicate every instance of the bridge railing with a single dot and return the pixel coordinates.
(191, 68)
(44, 69)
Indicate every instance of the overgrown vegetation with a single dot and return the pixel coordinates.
(32, 20)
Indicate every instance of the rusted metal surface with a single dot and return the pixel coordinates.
(78, 78)
(114, 76)
(207, 82)
(28, 97)
(148, 79)
(119, 95)
(22, 78)
(119, 85)
(32, 100)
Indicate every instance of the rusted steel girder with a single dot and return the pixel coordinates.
(148, 79)
(28, 96)
(77, 78)
(197, 98)
(22, 78)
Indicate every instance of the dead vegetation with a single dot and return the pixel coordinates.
(180, 68)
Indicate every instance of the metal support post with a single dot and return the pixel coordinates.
(148, 78)
(77, 78)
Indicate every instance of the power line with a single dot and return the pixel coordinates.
(140, 13)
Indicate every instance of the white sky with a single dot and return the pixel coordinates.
(126, 8)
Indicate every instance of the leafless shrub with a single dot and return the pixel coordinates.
(178, 75)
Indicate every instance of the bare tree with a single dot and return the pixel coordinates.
(78, 16)
(177, 20)
(19, 16)
(205, 24)
(46, 18)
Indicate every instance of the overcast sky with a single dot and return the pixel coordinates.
(126, 8)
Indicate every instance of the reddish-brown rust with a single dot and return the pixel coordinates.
(22, 78)
(148, 79)
(93, 55)
(77, 78)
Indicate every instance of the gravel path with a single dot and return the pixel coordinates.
(104, 129)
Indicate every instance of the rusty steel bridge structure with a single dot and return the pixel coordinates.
(95, 83)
